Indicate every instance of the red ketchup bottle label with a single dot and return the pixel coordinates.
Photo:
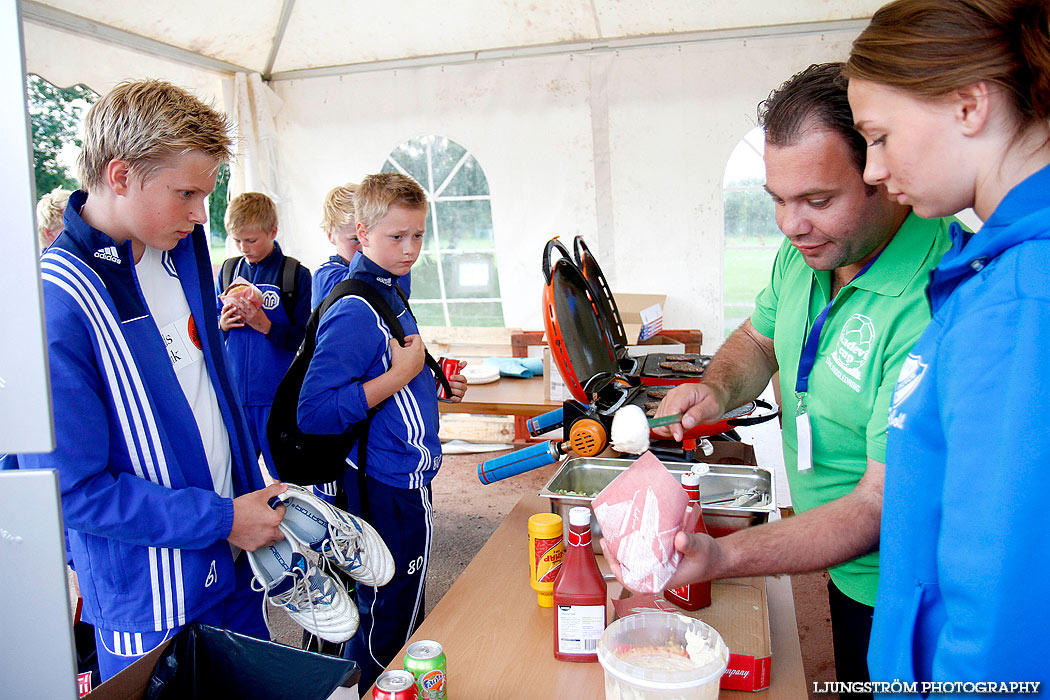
(692, 596)
(579, 595)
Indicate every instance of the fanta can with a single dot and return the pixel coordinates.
(425, 660)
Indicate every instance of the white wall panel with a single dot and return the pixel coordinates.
(527, 122)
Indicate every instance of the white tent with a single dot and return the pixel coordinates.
(607, 118)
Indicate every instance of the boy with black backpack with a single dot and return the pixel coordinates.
(359, 365)
(261, 336)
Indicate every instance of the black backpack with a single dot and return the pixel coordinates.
(289, 277)
(302, 458)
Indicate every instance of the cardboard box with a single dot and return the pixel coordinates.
(739, 611)
(555, 388)
(131, 683)
(631, 305)
(656, 344)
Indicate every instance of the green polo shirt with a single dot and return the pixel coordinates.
(870, 329)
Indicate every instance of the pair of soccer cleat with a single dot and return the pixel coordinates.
(313, 598)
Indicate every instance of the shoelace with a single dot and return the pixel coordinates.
(301, 587)
(341, 541)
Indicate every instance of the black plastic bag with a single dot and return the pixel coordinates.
(202, 661)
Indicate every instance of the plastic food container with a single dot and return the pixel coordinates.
(644, 657)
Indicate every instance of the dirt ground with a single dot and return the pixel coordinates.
(467, 512)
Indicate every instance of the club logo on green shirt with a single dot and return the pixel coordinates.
(856, 340)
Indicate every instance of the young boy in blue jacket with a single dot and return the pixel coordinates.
(159, 485)
(339, 224)
(358, 365)
(261, 341)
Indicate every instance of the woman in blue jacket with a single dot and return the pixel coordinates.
(953, 97)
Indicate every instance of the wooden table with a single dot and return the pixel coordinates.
(507, 396)
(499, 641)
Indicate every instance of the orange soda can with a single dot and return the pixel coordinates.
(546, 551)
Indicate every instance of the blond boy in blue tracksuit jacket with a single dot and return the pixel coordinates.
(159, 486)
(261, 342)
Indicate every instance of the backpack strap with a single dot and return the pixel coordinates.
(374, 299)
(289, 289)
(428, 359)
(360, 288)
(229, 266)
(356, 287)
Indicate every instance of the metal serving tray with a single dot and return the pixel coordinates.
(743, 496)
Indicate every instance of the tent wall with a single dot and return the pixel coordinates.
(627, 148)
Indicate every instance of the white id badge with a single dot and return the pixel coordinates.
(804, 437)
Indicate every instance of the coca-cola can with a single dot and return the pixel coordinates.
(449, 366)
(395, 685)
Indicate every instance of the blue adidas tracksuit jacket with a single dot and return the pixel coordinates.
(328, 274)
(962, 592)
(352, 348)
(146, 528)
(334, 270)
(258, 361)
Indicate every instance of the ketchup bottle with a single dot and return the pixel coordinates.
(692, 596)
(579, 595)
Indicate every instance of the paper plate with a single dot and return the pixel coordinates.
(480, 373)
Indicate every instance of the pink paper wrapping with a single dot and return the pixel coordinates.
(251, 293)
(640, 512)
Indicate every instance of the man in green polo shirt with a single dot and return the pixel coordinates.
(865, 259)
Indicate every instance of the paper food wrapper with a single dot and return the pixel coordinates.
(643, 603)
(249, 292)
(640, 511)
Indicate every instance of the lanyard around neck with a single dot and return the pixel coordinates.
(809, 349)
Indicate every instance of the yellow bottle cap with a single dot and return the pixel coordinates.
(545, 525)
(546, 600)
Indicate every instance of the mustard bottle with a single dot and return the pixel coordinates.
(546, 551)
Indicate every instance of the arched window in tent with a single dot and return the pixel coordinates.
(751, 234)
(454, 282)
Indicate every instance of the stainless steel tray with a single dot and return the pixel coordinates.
(744, 496)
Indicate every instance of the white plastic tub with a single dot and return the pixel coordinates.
(644, 657)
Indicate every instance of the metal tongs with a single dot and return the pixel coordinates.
(737, 498)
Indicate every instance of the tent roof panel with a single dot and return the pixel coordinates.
(324, 33)
(643, 17)
(237, 32)
(58, 57)
(332, 32)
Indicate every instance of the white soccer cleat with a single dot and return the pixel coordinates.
(313, 599)
(344, 539)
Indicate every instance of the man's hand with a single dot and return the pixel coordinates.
(407, 361)
(230, 317)
(701, 557)
(254, 521)
(252, 315)
(700, 404)
(458, 384)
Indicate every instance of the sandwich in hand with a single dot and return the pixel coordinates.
(241, 288)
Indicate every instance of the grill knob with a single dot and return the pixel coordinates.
(587, 437)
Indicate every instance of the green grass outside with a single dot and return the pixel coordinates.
(745, 273)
